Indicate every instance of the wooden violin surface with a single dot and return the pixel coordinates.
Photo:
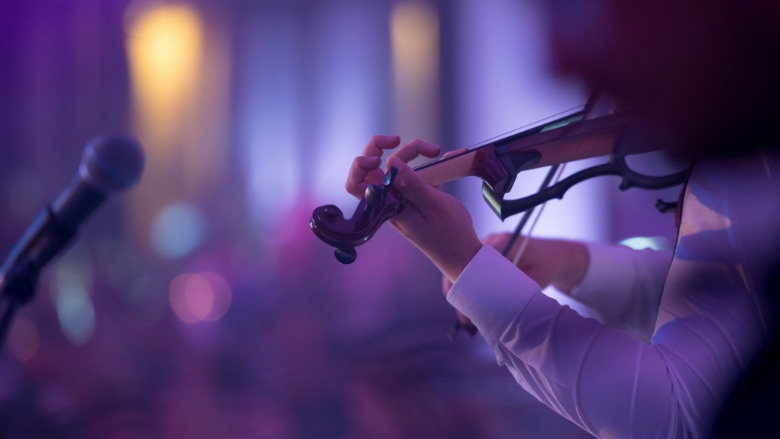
(379, 205)
(573, 137)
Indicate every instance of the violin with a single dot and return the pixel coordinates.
(598, 129)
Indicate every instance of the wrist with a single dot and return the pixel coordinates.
(453, 265)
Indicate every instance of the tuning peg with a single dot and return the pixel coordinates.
(374, 195)
(331, 212)
(346, 255)
(387, 182)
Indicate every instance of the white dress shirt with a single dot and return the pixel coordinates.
(705, 314)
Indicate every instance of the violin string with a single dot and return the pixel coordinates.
(514, 130)
(519, 229)
(527, 214)
(468, 149)
(557, 169)
(527, 237)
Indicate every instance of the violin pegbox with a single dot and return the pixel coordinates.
(379, 204)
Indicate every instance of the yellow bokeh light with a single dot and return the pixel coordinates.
(414, 29)
(165, 49)
(414, 36)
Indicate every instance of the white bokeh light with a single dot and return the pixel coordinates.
(178, 230)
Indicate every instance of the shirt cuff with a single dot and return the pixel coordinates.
(491, 292)
(611, 272)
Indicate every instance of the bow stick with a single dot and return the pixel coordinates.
(469, 327)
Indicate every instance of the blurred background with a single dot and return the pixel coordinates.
(199, 304)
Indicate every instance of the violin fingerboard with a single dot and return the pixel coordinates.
(595, 144)
(448, 170)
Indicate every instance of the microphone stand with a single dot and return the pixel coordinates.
(110, 163)
(19, 275)
(8, 306)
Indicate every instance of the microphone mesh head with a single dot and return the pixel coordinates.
(112, 162)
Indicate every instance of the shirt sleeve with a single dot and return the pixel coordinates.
(602, 379)
(624, 287)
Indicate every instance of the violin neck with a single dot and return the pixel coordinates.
(449, 169)
(567, 139)
(482, 161)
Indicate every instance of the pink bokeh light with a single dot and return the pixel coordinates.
(221, 295)
(199, 297)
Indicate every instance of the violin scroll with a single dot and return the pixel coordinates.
(379, 204)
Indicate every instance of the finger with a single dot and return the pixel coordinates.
(452, 153)
(497, 240)
(446, 284)
(410, 185)
(359, 174)
(378, 144)
(500, 242)
(462, 319)
(516, 248)
(414, 149)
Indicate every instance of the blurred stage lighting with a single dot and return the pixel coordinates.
(178, 230)
(25, 196)
(164, 49)
(76, 313)
(23, 340)
(643, 242)
(70, 290)
(202, 297)
(414, 36)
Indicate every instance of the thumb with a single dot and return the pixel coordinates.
(462, 319)
(410, 185)
(446, 285)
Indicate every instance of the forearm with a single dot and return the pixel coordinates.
(600, 378)
(577, 262)
(624, 287)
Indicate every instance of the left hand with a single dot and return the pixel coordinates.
(434, 221)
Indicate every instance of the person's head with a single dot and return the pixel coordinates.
(705, 71)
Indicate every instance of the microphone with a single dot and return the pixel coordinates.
(110, 163)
